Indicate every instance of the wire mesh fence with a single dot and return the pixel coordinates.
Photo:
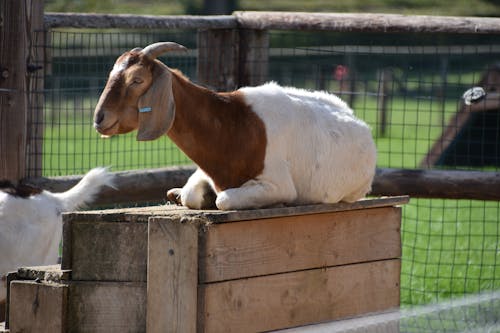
(408, 87)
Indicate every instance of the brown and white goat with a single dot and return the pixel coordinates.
(255, 147)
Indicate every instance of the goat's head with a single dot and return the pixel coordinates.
(138, 94)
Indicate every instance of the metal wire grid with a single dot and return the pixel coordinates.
(408, 88)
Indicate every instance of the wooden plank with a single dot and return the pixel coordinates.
(172, 276)
(270, 246)
(215, 216)
(362, 22)
(298, 298)
(105, 307)
(141, 214)
(37, 307)
(107, 251)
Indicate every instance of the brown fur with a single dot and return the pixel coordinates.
(219, 132)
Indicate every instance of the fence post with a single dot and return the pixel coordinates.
(17, 19)
(218, 58)
(13, 110)
(231, 58)
(253, 57)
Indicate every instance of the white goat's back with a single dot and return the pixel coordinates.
(329, 153)
(31, 228)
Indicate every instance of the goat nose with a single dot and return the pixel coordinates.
(98, 118)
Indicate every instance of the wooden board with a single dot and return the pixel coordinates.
(172, 276)
(283, 244)
(105, 251)
(106, 307)
(298, 298)
(142, 214)
(37, 307)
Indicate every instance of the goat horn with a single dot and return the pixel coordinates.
(156, 49)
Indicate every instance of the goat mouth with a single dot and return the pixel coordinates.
(105, 130)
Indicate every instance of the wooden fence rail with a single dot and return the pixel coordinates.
(143, 186)
(354, 22)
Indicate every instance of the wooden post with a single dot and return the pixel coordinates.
(17, 25)
(13, 111)
(218, 59)
(232, 58)
(253, 57)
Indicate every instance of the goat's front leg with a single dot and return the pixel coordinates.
(261, 192)
(198, 193)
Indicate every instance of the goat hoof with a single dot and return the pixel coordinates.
(174, 195)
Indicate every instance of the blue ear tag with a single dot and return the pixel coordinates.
(145, 109)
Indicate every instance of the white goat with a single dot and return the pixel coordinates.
(31, 223)
(255, 147)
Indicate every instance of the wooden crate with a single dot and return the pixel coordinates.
(169, 269)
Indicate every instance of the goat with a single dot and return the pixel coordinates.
(255, 147)
(31, 223)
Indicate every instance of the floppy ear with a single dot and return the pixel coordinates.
(156, 107)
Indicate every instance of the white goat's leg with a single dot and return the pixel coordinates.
(198, 193)
(259, 192)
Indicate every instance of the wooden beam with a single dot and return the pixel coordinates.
(445, 184)
(122, 21)
(13, 103)
(357, 22)
(142, 186)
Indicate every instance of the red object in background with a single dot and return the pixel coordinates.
(341, 72)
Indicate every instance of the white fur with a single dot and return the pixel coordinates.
(317, 152)
(31, 228)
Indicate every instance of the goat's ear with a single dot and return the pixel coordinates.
(156, 107)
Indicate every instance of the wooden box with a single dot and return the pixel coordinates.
(169, 269)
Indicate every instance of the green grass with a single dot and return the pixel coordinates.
(450, 247)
